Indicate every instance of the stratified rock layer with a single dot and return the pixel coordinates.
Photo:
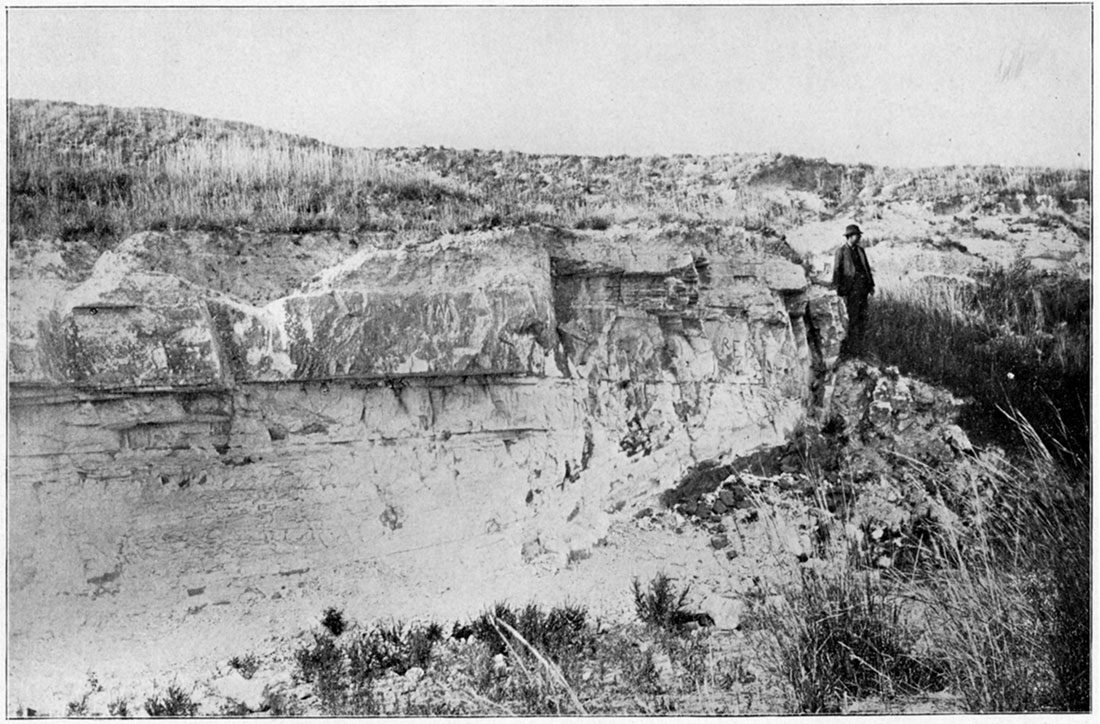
(180, 456)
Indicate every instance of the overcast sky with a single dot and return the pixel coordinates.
(895, 85)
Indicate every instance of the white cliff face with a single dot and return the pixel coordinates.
(179, 457)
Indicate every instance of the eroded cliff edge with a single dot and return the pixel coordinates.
(177, 450)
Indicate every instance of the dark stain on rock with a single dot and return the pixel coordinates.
(587, 449)
(294, 572)
(392, 517)
(237, 462)
(106, 577)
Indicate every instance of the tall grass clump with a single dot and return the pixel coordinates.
(1013, 616)
(1014, 339)
(841, 636)
(535, 655)
(175, 702)
(562, 634)
(343, 672)
(200, 177)
(662, 604)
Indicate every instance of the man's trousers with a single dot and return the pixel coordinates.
(856, 303)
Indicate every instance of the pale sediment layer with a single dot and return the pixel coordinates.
(424, 419)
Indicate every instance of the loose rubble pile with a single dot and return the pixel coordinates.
(884, 456)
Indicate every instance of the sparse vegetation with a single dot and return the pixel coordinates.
(1012, 618)
(840, 636)
(561, 633)
(322, 665)
(662, 604)
(343, 674)
(395, 647)
(119, 708)
(333, 621)
(1015, 339)
(174, 702)
(79, 707)
(246, 665)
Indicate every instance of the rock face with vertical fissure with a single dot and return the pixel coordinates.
(473, 398)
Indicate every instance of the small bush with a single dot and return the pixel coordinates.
(662, 606)
(394, 648)
(322, 665)
(77, 708)
(175, 702)
(343, 675)
(246, 665)
(333, 620)
(119, 708)
(560, 634)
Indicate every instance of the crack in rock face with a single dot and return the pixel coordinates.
(474, 402)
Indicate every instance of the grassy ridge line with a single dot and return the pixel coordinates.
(101, 173)
(106, 174)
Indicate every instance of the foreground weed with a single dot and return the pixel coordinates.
(394, 647)
(246, 665)
(343, 673)
(1012, 617)
(175, 702)
(322, 665)
(119, 708)
(79, 707)
(533, 655)
(333, 620)
(838, 636)
(561, 634)
(662, 605)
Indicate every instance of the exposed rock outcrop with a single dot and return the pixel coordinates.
(476, 400)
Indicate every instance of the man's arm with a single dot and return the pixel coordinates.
(838, 273)
(870, 275)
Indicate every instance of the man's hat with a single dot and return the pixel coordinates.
(852, 230)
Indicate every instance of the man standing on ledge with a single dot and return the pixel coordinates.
(853, 281)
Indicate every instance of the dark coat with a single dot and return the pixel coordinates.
(851, 272)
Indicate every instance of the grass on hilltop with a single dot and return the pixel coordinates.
(1015, 339)
(101, 194)
(99, 173)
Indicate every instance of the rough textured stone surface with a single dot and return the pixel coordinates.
(181, 458)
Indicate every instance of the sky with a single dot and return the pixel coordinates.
(898, 85)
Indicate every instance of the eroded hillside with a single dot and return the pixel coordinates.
(252, 375)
